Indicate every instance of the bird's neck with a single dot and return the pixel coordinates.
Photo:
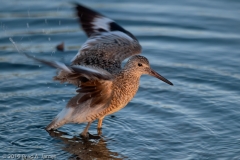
(125, 87)
(130, 74)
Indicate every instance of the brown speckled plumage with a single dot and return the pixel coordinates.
(103, 86)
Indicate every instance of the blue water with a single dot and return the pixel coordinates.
(195, 44)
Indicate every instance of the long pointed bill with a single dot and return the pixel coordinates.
(155, 74)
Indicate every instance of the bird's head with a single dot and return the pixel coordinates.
(140, 65)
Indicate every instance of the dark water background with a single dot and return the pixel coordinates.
(195, 44)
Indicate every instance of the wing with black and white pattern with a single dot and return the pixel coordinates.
(108, 44)
(93, 22)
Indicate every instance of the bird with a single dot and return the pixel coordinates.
(103, 86)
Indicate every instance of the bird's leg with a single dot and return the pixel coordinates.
(85, 131)
(99, 126)
(99, 131)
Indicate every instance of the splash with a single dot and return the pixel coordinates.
(19, 51)
(15, 45)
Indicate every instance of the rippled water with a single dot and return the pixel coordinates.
(195, 44)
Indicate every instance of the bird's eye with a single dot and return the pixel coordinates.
(139, 64)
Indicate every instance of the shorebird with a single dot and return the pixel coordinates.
(104, 87)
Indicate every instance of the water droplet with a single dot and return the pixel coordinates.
(27, 25)
(59, 23)
(49, 39)
(63, 100)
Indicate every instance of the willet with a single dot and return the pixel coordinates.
(103, 86)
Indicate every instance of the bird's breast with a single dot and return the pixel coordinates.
(123, 92)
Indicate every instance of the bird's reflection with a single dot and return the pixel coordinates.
(95, 147)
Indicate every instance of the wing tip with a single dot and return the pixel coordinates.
(94, 22)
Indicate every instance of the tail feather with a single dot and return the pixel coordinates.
(62, 118)
(55, 124)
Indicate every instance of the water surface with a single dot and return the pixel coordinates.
(195, 44)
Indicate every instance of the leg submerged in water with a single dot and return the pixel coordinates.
(85, 131)
(99, 127)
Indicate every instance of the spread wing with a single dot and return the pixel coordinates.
(94, 83)
(108, 43)
(94, 93)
